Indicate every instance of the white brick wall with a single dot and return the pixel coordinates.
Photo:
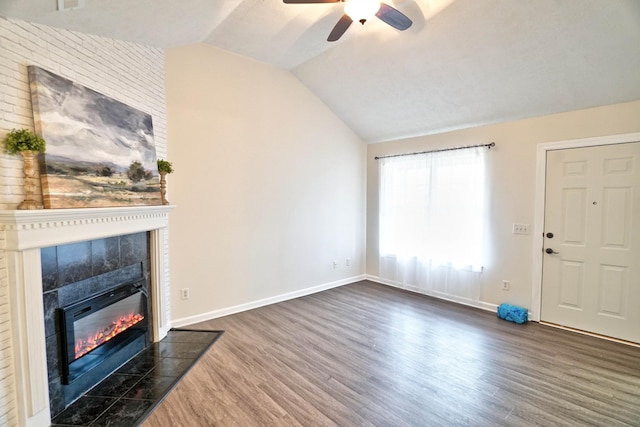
(130, 73)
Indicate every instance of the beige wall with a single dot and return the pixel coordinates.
(269, 184)
(511, 169)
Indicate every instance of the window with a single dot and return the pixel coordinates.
(432, 209)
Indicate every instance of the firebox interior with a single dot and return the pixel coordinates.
(95, 328)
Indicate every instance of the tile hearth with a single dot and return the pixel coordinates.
(127, 397)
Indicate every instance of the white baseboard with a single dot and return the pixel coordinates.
(185, 321)
(487, 306)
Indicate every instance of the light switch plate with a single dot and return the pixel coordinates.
(520, 228)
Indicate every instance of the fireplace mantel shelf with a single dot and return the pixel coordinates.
(26, 229)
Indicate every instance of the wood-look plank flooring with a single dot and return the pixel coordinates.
(370, 355)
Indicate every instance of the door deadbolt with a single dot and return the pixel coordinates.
(550, 235)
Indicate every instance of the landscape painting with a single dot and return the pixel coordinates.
(100, 151)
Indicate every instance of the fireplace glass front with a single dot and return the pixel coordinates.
(97, 327)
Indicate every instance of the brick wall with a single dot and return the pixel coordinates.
(130, 73)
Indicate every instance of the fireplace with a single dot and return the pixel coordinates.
(96, 328)
(27, 235)
(90, 288)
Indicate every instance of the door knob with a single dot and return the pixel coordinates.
(550, 235)
(551, 251)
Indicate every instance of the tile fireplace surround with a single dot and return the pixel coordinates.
(22, 235)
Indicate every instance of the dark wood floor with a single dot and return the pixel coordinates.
(370, 355)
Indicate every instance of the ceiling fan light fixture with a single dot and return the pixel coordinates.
(361, 10)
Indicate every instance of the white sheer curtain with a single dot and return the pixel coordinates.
(432, 221)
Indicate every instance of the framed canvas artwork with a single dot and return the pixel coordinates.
(100, 151)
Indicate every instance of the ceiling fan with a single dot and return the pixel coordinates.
(361, 10)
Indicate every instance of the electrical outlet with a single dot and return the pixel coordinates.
(505, 285)
(348, 262)
(70, 4)
(520, 229)
(184, 294)
(335, 264)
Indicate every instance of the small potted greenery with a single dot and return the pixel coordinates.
(164, 167)
(28, 145)
(21, 140)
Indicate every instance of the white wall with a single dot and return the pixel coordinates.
(130, 73)
(269, 185)
(511, 168)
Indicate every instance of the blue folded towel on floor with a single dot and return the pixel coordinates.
(513, 313)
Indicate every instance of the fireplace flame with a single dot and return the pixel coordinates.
(84, 346)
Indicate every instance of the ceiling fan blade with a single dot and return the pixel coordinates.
(310, 1)
(340, 28)
(393, 17)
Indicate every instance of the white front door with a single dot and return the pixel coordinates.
(591, 263)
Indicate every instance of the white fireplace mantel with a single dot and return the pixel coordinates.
(22, 234)
(48, 227)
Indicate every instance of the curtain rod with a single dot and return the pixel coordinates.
(491, 144)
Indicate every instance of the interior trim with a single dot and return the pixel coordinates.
(185, 321)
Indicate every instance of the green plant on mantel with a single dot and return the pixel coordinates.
(164, 166)
(19, 140)
(27, 144)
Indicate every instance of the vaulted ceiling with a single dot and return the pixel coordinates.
(462, 63)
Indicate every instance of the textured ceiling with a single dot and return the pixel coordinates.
(463, 63)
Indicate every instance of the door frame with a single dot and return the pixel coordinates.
(539, 203)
